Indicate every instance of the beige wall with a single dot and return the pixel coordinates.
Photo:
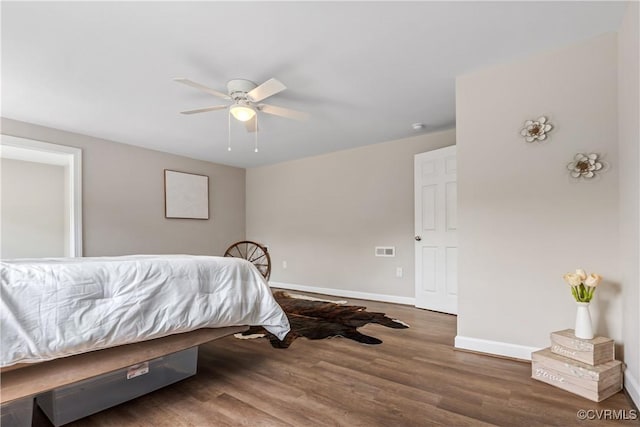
(324, 215)
(33, 209)
(629, 135)
(123, 197)
(523, 221)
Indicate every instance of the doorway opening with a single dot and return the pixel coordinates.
(69, 159)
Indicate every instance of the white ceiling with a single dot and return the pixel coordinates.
(365, 71)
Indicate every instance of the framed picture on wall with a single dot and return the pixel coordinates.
(186, 195)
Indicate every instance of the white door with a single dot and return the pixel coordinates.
(436, 237)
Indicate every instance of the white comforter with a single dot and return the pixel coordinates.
(57, 307)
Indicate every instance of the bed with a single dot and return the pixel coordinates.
(63, 320)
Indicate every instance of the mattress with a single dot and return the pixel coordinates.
(57, 307)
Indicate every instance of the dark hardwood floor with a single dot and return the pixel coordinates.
(415, 378)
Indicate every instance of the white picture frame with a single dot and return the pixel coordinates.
(186, 195)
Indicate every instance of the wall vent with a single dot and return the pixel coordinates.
(385, 251)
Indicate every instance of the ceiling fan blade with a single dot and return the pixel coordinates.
(283, 112)
(201, 87)
(205, 109)
(250, 125)
(266, 89)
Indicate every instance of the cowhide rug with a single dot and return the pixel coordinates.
(317, 319)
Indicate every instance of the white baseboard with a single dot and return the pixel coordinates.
(498, 348)
(632, 387)
(344, 293)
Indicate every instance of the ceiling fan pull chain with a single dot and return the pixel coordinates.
(256, 134)
(229, 132)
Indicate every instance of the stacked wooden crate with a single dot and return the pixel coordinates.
(585, 367)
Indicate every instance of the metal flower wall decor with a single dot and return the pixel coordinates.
(585, 165)
(536, 129)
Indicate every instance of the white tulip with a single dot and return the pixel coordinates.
(593, 280)
(572, 279)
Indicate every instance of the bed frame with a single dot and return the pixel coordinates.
(24, 380)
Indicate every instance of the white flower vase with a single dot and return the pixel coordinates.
(583, 330)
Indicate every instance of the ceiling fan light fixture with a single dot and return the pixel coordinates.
(242, 112)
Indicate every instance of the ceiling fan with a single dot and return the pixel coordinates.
(246, 99)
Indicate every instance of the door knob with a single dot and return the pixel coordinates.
(418, 238)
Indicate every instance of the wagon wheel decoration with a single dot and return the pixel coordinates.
(253, 252)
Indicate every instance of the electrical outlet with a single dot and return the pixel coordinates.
(284, 265)
(399, 272)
